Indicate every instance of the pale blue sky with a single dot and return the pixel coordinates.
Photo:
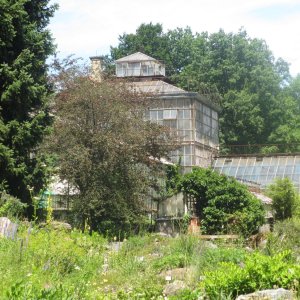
(90, 27)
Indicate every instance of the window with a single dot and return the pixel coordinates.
(214, 114)
(184, 124)
(206, 120)
(170, 114)
(184, 114)
(206, 110)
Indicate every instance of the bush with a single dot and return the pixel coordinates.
(26, 290)
(10, 206)
(223, 204)
(284, 197)
(285, 236)
(257, 272)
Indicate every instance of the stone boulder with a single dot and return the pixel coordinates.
(178, 273)
(278, 294)
(8, 229)
(174, 288)
(56, 225)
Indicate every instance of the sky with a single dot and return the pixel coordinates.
(89, 27)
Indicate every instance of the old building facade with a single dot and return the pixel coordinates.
(194, 117)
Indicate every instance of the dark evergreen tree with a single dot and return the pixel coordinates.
(25, 44)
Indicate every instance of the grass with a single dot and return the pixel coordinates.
(53, 264)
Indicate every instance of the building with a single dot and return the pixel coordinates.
(261, 169)
(193, 116)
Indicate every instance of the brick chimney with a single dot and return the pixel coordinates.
(96, 68)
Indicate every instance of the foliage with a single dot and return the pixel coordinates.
(223, 204)
(179, 253)
(211, 257)
(44, 263)
(25, 44)
(40, 260)
(258, 97)
(25, 290)
(105, 149)
(284, 197)
(257, 272)
(285, 236)
(173, 178)
(10, 206)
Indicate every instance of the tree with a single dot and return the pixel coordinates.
(106, 150)
(284, 198)
(223, 204)
(25, 44)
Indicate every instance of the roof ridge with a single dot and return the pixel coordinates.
(136, 56)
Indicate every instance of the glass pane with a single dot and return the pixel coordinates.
(187, 160)
(206, 110)
(184, 124)
(160, 114)
(153, 114)
(206, 120)
(180, 113)
(187, 114)
(214, 123)
(170, 114)
(206, 130)
(214, 114)
(187, 103)
(187, 150)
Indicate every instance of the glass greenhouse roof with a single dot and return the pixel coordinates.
(261, 170)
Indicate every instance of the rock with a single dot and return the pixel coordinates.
(248, 249)
(163, 234)
(105, 268)
(55, 225)
(210, 245)
(7, 228)
(139, 258)
(61, 226)
(179, 273)
(173, 288)
(279, 294)
(115, 246)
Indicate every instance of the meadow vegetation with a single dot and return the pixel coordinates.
(43, 263)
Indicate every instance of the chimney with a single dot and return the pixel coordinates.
(96, 68)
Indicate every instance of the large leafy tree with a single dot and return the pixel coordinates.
(258, 107)
(25, 44)
(105, 148)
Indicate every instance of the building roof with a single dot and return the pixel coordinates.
(138, 56)
(156, 87)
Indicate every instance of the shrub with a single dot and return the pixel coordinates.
(284, 197)
(257, 272)
(26, 290)
(10, 206)
(223, 204)
(285, 236)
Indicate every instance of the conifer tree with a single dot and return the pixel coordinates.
(25, 44)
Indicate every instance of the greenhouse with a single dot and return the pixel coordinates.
(260, 169)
